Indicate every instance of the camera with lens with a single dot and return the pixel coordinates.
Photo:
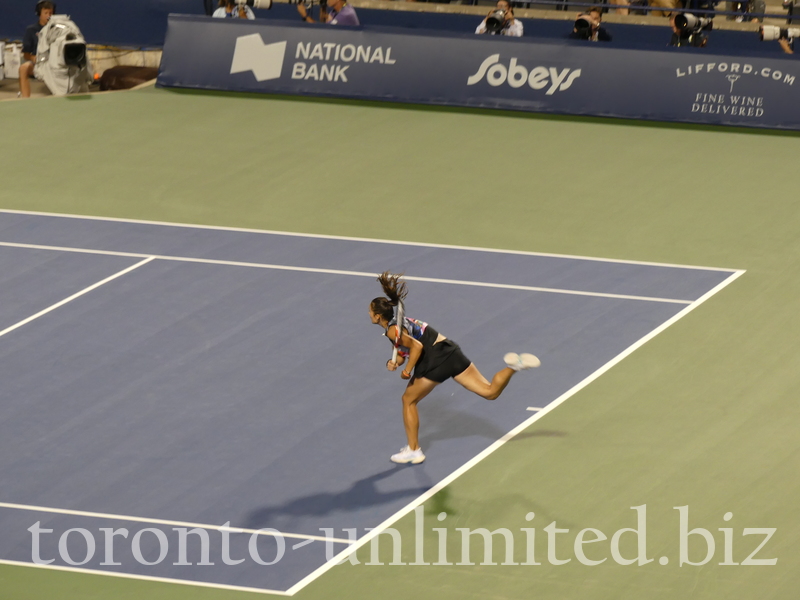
(770, 33)
(74, 51)
(583, 27)
(691, 30)
(61, 60)
(688, 23)
(496, 21)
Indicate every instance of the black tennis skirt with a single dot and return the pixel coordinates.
(442, 361)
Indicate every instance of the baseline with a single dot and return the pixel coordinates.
(364, 255)
(231, 263)
(358, 239)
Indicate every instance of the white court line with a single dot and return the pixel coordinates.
(534, 408)
(358, 239)
(232, 529)
(221, 586)
(232, 263)
(518, 429)
(76, 295)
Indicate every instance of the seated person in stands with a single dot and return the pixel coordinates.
(228, 9)
(495, 25)
(336, 12)
(588, 26)
(44, 10)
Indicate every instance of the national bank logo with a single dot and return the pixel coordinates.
(252, 54)
(516, 75)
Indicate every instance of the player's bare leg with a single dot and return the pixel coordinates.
(475, 382)
(417, 389)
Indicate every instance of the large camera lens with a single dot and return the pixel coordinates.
(687, 22)
(494, 22)
(769, 33)
(583, 26)
(75, 54)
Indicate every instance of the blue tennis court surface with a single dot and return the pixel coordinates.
(227, 376)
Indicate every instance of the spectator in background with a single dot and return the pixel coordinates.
(588, 26)
(623, 6)
(507, 26)
(669, 5)
(228, 9)
(789, 6)
(334, 12)
(44, 10)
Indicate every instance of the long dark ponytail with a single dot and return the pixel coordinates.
(395, 290)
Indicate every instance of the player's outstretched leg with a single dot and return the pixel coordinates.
(475, 382)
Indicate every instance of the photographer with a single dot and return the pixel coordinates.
(785, 36)
(501, 21)
(230, 9)
(44, 10)
(588, 26)
(691, 28)
(334, 12)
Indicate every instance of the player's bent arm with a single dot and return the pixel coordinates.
(414, 351)
(392, 365)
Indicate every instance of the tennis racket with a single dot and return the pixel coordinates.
(399, 329)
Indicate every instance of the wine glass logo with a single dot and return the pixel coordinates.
(732, 79)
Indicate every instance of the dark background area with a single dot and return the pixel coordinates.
(143, 23)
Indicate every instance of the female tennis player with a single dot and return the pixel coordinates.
(433, 359)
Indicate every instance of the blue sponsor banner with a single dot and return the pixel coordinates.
(480, 71)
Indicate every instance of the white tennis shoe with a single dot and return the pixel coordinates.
(520, 362)
(407, 455)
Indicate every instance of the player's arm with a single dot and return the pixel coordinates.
(391, 334)
(414, 350)
(393, 364)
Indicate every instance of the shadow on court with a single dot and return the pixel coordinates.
(363, 493)
(440, 422)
